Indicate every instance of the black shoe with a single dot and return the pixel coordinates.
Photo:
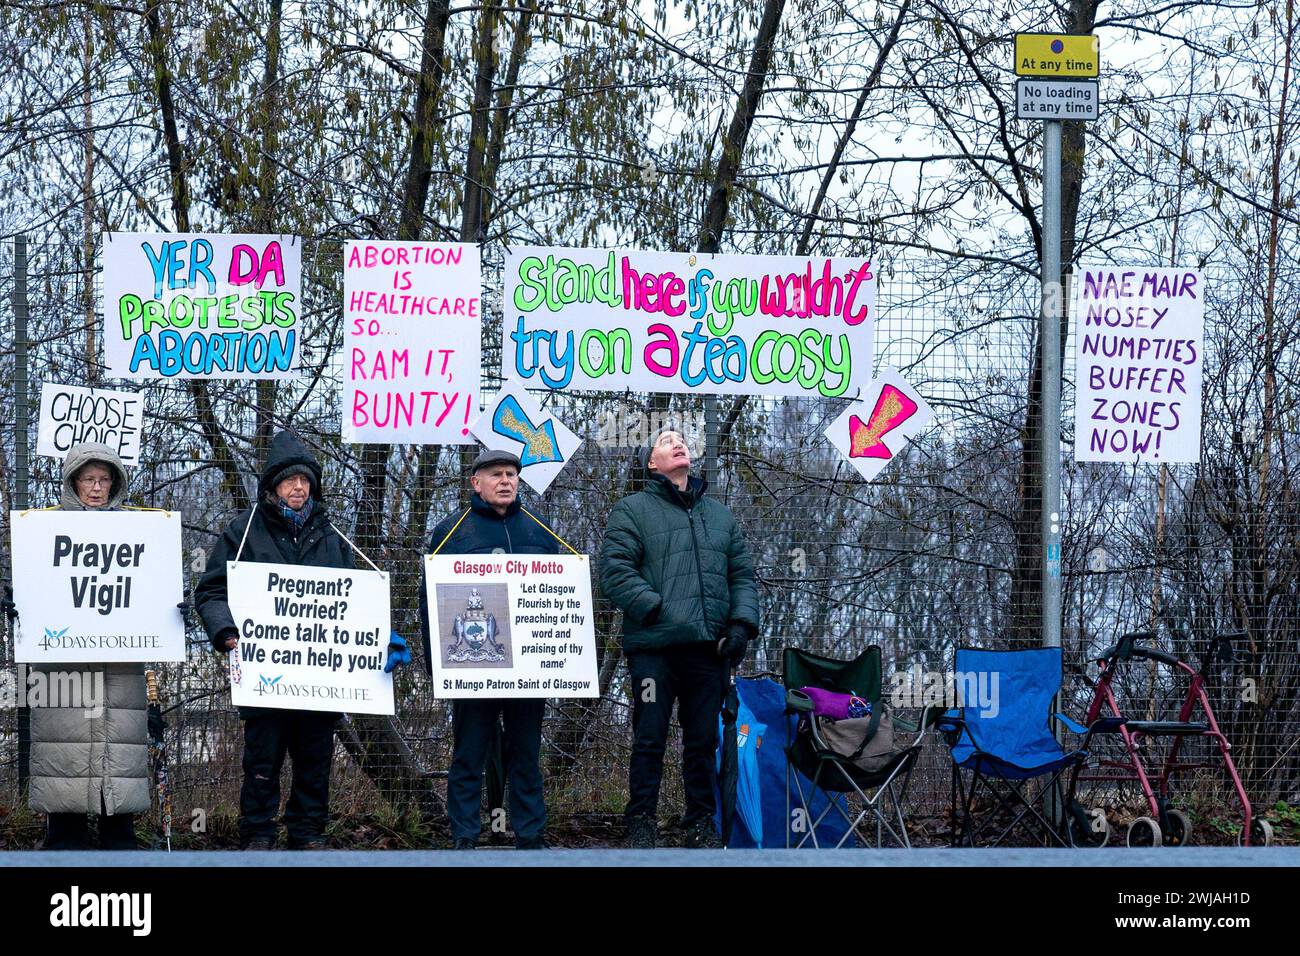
(642, 834)
(702, 836)
(536, 843)
(464, 843)
(259, 843)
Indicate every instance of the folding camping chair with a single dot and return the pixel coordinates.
(1001, 734)
(830, 772)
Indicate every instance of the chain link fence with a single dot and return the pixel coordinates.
(921, 561)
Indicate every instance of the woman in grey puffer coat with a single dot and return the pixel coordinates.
(83, 765)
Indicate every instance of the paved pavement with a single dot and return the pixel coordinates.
(1192, 856)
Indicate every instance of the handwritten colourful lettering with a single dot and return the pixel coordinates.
(212, 307)
(620, 319)
(411, 337)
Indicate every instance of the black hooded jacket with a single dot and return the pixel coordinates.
(270, 537)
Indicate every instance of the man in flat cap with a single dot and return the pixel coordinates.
(494, 523)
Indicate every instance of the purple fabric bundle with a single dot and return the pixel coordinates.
(827, 703)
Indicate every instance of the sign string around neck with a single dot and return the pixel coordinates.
(364, 556)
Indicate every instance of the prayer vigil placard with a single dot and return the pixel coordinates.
(1139, 346)
(97, 586)
(309, 638)
(505, 625)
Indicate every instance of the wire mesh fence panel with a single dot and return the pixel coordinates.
(940, 552)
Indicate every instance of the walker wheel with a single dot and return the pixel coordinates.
(1144, 832)
(1088, 829)
(1179, 831)
(1261, 833)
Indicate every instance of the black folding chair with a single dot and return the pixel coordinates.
(833, 774)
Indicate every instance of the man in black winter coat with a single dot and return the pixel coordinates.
(286, 525)
(494, 523)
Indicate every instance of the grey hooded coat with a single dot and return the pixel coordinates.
(96, 764)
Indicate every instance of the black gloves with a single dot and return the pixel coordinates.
(156, 724)
(734, 643)
(219, 639)
(652, 616)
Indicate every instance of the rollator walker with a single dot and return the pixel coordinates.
(1164, 825)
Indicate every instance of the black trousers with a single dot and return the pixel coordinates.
(308, 739)
(472, 725)
(692, 675)
(71, 831)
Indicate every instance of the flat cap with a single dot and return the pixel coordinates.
(489, 456)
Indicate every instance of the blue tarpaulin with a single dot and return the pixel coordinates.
(764, 698)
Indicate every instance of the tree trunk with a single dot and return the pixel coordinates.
(264, 213)
(742, 121)
(88, 201)
(381, 752)
(156, 49)
(576, 733)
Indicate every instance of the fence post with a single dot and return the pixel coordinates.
(22, 477)
(710, 469)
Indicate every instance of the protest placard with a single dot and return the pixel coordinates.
(191, 305)
(413, 341)
(97, 586)
(71, 415)
(612, 320)
(506, 625)
(1139, 345)
(870, 432)
(516, 423)
(309, 638)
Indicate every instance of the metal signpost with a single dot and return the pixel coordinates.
(1062, 86)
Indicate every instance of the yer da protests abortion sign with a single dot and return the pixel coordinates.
(511, 626)
(97, 586)
(1139, 348)
(309, 638)
(612, 320)
(186, 305)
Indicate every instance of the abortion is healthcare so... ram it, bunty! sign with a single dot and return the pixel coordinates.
(193, 305)
(412, 339)
(620, 319)
(97, 586)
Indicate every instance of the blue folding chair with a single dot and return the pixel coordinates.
(1001, 735)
